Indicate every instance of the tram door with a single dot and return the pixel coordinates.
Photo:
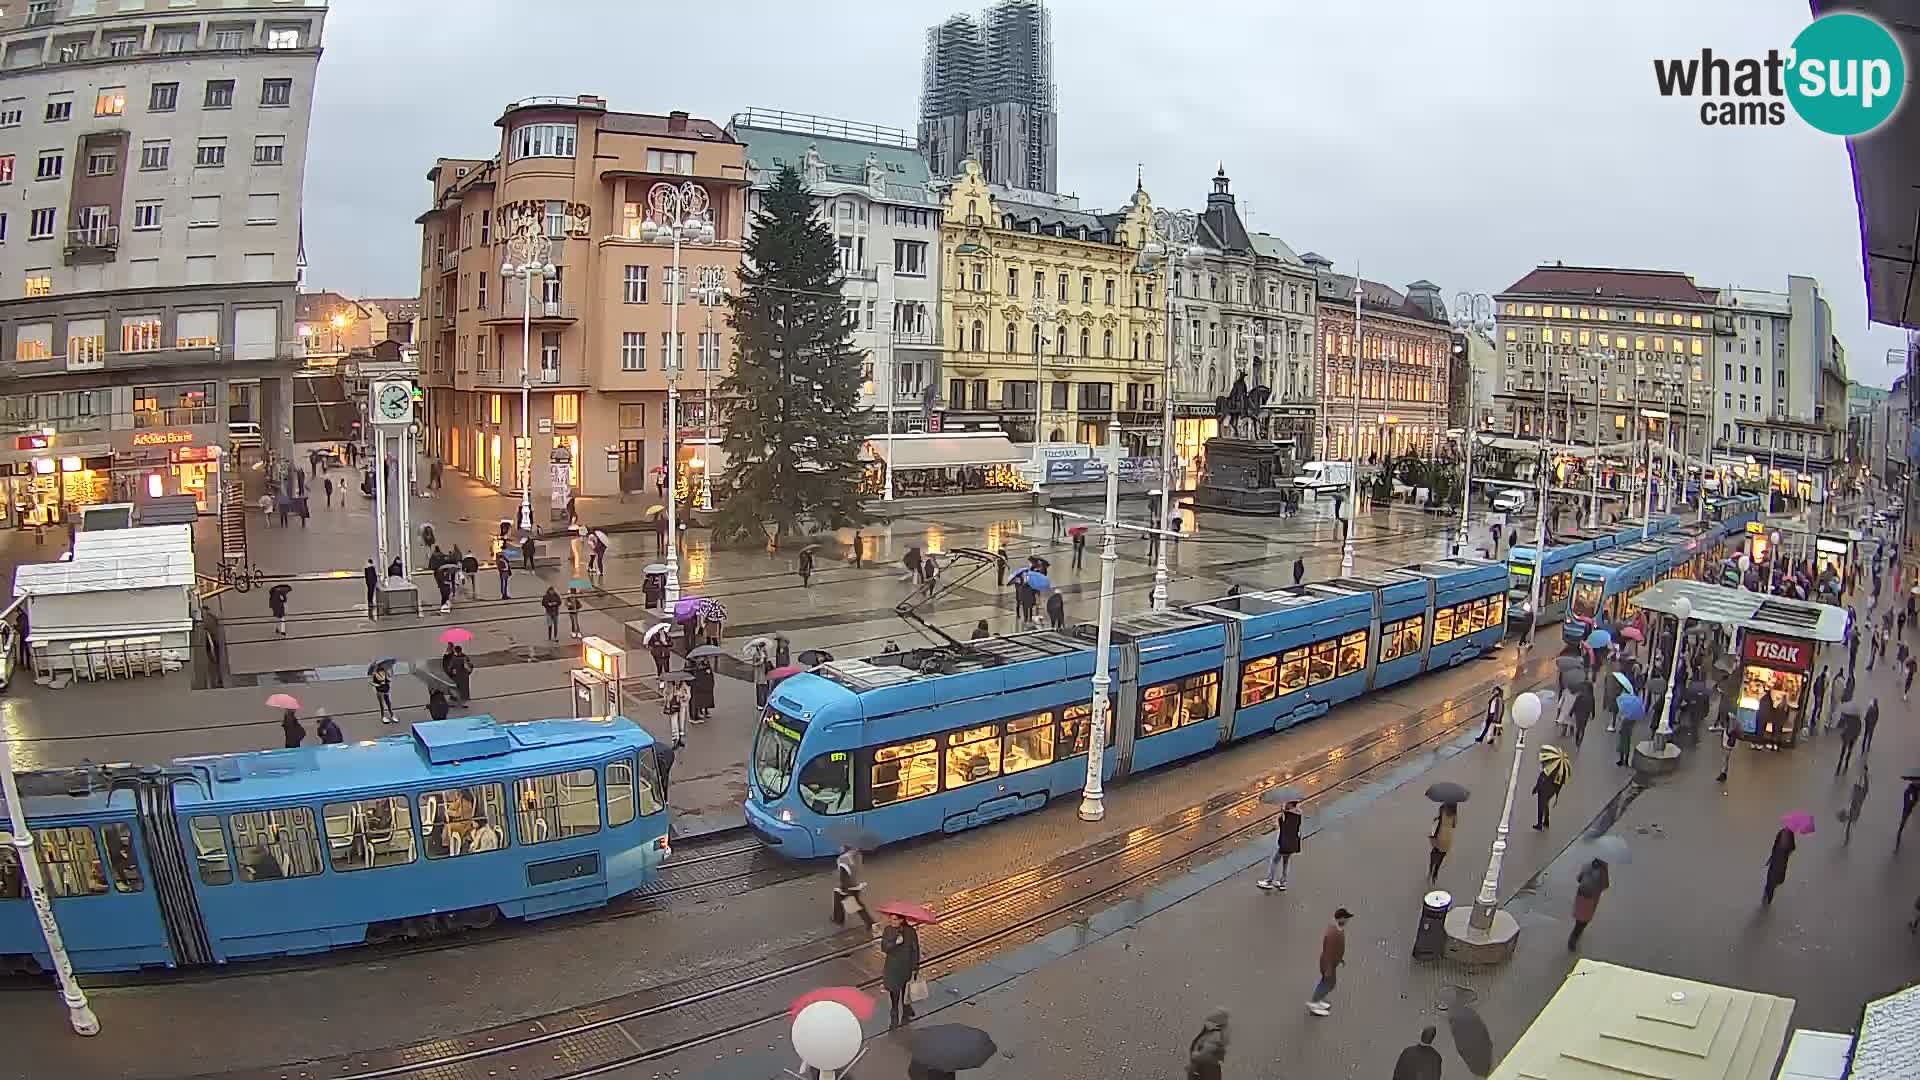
(1426, 645)
(172, 869)
(1127, 707)
(1230, 680)
(1373, 636)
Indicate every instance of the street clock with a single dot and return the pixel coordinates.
(392, 401)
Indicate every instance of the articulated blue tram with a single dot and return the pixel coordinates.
(1568, 550)
(945, 739)
(1604, 583)
(283, 852)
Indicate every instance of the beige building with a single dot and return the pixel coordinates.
(598, 352)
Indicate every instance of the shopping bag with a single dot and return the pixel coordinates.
(917, 991)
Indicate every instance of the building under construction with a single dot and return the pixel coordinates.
(988, 95)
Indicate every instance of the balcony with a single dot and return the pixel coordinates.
(509, 311)
(926, 336)
(449, 261)
(90, 244)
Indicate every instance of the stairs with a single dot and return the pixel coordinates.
(233, 525)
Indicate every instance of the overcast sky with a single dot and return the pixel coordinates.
(1461, 142)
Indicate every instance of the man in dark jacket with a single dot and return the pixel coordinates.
(1285, 846)
(1419, 1061)
(372, 574)
(1207, 1055)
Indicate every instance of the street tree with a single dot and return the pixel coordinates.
(795, 431)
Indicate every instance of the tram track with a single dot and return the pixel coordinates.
(657, 1022)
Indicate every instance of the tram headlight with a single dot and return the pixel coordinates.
(786, 816)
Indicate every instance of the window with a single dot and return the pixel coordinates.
(50, 165)
(710, 351)
(1013, 282)
(6, 168)
(1063, 289)
(210, 153)
(973, 755)
(11, 112)
(59, 108)
(464, 821)
(229, 39)
(652, 799)
(486, 228)
(910, 257)
(557, 806)
(635, 283)
(196, 330)
(269, 149)
(1086, 289)
(86, 343)
(263, 209)
(210, 850)
(155, 154)
(275, 844)
(283, 37)
(34, 341)
(1028, 743)
(633, 416)
(70, 859)
(620, 809)
(633, 351)
(102, 163)
(140, 333)
(566, 409)
(219, 94)
(905, 771)
(550, 352)
(1179, 703)
(176, 40)
(826, 784)
(121, 861)
(673, 162)
(203, 210)
(369, 833)
(40, 225)
(122, 46)
(1109, 291)
(543, 140)
(480, 292)
(1259, 681)
(480, 352)
(1402, 638)
(110, 101)
(1353, 652)
(163, 97)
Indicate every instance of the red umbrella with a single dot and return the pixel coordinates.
(856, 1002)
(456, 636)
(909, 911)
(1077, 530)
(782, 672)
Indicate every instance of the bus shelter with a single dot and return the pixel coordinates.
(1774, 654)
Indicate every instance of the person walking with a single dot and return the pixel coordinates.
(1582, 713)
(1729, 739)
(1856, 801)
(1545, 790)
(1623, 742)
(1207, 1053)
(329, 732)
(277, 603)
(1496, 711)
(1872, 721)
(1440, 840)
(460, 669)
(372, 575)
(470, 569)
(849, 887)
(1849, 732)
(550, 603)
(445, 577)
(291, 727)
(1333, 953)
(859, 548)
(1419, 1061)
(663, 755)
(1079, 549)
(662, 650)
(326, 485)
(806, 569)
(1908, 799)
(673, 705)
(504, 568)
(1817, 699)
(900, 943)
(382, 679)
(437, 703)
(1777, 859)
(1056, 610)
(1286, 845)
(573, 612)
(1591, 882)
(700, 691)
(1299, 571)
(1906, 686)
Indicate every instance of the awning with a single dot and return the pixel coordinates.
(927, 451)
(1748, 610)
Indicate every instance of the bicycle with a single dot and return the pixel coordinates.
(241, 576)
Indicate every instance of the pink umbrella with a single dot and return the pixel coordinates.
(856, 1002)
(283, 701)
(456, 636)
(1632, 633)
(1797, 821)
(909, 911)
(783, 672)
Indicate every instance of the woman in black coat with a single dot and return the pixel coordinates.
(700, 699)
(295, 732)
(1544, 792)
(1783, 845)
(901, 944)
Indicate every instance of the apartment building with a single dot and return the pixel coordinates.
(1047, 316)
(153, 155)
(598, 342)
(1782, 389)
(871, 186)
(1385, 385)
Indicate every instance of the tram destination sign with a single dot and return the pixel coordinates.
(1777, 652)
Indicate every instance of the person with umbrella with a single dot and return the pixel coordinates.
(1856, 801)
(381, 676)
(1554, 770)
(1582, 712)
(1420, 1061)
(470, 568)
(937, 1052)
(290, 726)
(1781, 853)
(700, 697)
(900, 942)
(805, 566)
(437, 703)
(1850, 715)
(849, 885)
(329, 732)
(1591, 882)
(661, 647)
(277, 603)
(1440, 840)
(446, 577)
(1207, 1054)
(911, 560)
(1908, 799)
(459, 668)
(1496, 709)
(1286, 843)
(1630, 709)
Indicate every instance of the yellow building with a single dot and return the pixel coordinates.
(1044, 303)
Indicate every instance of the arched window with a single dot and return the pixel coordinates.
(979, 336)
(1149, 346)
(1036, 339)
(1011, 342)
(1086, 342)
(1136, 347)
(1060, 342)
(1106, 343)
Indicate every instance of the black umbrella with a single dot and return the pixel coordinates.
(854, 836)
(383, 662)
(1470, 1038)
(705, 651)
(810, 657)
(1285, 793)
(951, 1047)
(280, 592)
(1446, 791)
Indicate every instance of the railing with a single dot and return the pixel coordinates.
(93, 238)
(449, 260)
(549, 375)
(825, 126)
(929, 336)
(175, 416)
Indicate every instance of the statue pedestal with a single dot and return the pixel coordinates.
(1243, 476)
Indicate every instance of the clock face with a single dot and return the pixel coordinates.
(395, 401)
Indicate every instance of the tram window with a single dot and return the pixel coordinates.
(1199, 697)
(1442, 626)
(1353, 652)
(1558, 586)
(210, 850)
(557, 805)
(12, 882)
(1028, 743)
(1075, 729)
(1412, 631)
(652, 799)
(905, 771)
(1259, 681)
(70, 859)
(464, 820)
(1323, 661)
(1496, 611)
(1293, 670)
(619, 792)
(973, 755)
(121, 862)
(370, 833)
(1390, 642)
(826, 784)
(1157, 709)
(276, 843)
(1474, 615)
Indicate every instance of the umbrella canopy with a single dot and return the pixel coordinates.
(1577, 682)
(856, 837)
(280, 592)
(1797, 821)
(383, 662)
(857, 1003)
(654, 568)
(674, 676)
(1631, 707)
(784, 672)
(686, 609)
(1633, 633)
(579, 583)
(1600, 639)
(455, 635)
(1569, 663)
(283, 701)
(1555, 765)
(656, 508)
(810, 549)
(1446, 791)
(1081, 530)
(705, 651)
(1038, 581)
(1281, 795)
(1471, 1039)
(1625, 683)
(712, 611)
(810, 657)
(756, 650)
(951, 1047)
(659, 631)
(909, 911)
(1610, 848)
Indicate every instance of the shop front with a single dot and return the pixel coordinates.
(946, 463)
(149, 463)
(47, 478)
(1834, 551)
(1775, 672)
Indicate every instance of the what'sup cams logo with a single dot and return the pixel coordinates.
(1844, 75)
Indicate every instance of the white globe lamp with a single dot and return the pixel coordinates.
(827, 1036)
(1526, 711)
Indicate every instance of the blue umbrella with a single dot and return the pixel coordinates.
(1631, 707)
(1600, 639)
(579, 583)
(1038, 581)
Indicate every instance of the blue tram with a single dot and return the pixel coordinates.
(942, 740)
(1570, 547)
(284, 852)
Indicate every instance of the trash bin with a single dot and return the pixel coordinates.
(653, 588)
(1430, 939)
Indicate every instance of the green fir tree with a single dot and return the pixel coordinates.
(795, 430)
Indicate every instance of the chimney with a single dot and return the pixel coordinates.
(676, 122)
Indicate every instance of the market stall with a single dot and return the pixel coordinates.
(122, 606)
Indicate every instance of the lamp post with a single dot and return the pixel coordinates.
(1526, 713)
(1472, 312)
(1353, 442)
(1043, 316)
(1171, 246)
(1092, 798)
(1682, 611)
(710, 283)
(529, 255)
(79, 1013)
(676, 214)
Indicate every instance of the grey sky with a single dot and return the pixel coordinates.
(1460, 142)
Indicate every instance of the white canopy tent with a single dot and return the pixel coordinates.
(123, 604)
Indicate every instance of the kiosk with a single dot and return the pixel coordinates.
(599, 687)
(1775, 672)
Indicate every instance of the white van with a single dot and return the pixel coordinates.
(1324, 477)
(1510, 500)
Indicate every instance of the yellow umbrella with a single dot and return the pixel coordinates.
(1555, 763)
(656, 509)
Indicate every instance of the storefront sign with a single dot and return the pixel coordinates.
(1830, 547)
(1755, 528)
(1777, 652)
(32, 442)
(162, 438)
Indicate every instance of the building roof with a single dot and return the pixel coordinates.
(393, 307)
(1336, 291)
(1046, 217)
(1269, 246)
(1610, 283)
(1888, 1046)
(1773, 303)
(316, 306)
(695, 127)
(840, 148)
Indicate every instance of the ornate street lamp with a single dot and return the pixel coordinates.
(676, 214)
(1172, 246)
